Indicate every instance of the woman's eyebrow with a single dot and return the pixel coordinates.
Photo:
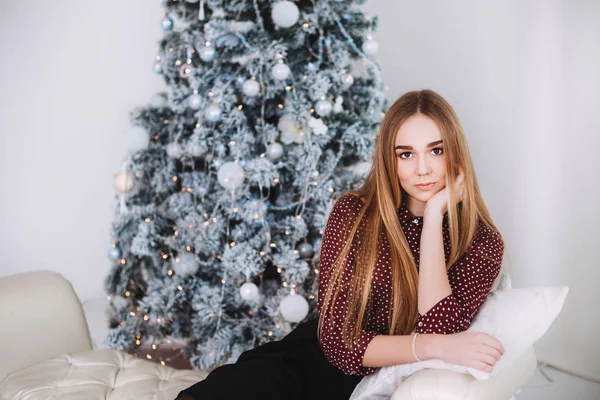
(410, 147)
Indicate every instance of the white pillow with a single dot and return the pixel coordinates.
(516, 317)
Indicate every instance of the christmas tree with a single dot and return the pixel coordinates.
(271, 113)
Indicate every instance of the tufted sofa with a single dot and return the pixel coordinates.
(46, 351)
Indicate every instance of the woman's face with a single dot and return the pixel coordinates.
(420, 154)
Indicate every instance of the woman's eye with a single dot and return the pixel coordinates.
(404, 155)
(441, 151)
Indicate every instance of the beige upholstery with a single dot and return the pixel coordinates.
(97, 374)
(46, 353)
(41, 318)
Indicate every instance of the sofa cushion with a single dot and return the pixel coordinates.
(97, 374)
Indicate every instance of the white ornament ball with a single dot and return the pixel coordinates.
(281, 71)
(185, 264)
(174, 150)
(231, 175)
(274, 151)
(124, 181)
(251, 88)
(285, 14)
(213, 113)
(294, 308)
(370, 47)
(207, 53)
(249, 292)
(137, 139)
(195, 102)
(323, 108)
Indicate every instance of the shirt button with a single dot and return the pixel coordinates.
(420, 323)
(415, 221)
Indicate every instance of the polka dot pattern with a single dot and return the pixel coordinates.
(470, 278)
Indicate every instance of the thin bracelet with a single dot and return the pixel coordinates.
(413, 346)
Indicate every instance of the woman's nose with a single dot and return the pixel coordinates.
(423, 167)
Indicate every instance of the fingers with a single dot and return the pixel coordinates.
(482, 366)
(490, 351)
(493, 343)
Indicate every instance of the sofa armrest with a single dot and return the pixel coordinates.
(433, 384)
(40, 318)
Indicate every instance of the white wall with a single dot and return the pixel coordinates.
(521, 75)
(523, 78)
(70, 74)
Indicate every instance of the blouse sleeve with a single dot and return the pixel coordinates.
(344, 213)
(471, 281)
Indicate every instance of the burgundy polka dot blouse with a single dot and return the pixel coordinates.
(471, 279)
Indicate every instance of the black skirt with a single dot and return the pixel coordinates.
(293, 368)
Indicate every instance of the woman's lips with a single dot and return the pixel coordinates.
(425, 187)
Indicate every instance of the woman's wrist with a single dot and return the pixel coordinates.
(427, 346)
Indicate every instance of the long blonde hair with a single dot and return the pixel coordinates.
(382, 196)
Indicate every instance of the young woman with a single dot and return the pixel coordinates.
(406, 262)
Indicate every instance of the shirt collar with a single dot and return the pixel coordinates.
(406, 216)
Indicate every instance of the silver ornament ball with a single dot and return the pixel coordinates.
(195, 102)
(231, 175)
(280, 71)
(285, 14)
(370, 47)
(213, 113)
(305, 250)
(251, 88)
(114, 253)
(249, 292)
(274, 151)
(167, 23)
(323, 108)
(294, 308)
(207, 53)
